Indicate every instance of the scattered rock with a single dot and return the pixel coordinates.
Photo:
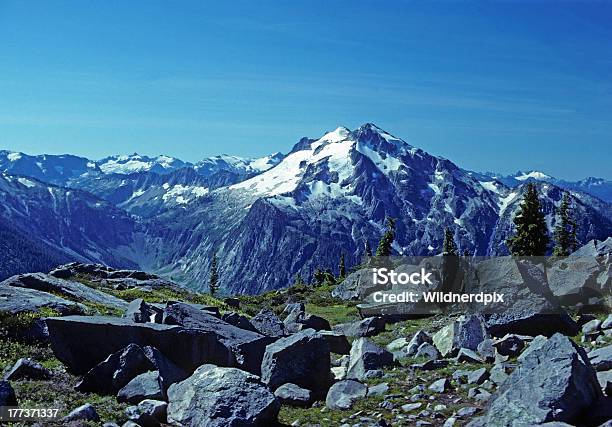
(499, 373)
(510, 345)
(409, 407)
(83, 413)
(302, 359)
(605, 381)
(268, 323)
(428, 351)
(467, 411)
(468, 356)
(592, 326)
(378, 390)
(366, 356)
(232, 302)
(298, 320)
(486, 350)
(479, 393)
(477, 376)
(118, 369)
(293, 395)
(337, 342)
(553, 382)
(219, 397)
(149, 413)
(440, 386)
(143, 386)
(7, 394)
(363, 328)
(465, 332)
(601, 358)
(343, 394)
(339, 372)
(607, 324)
(238, 321)
(27, 369)
(416, 341)
(140, 312)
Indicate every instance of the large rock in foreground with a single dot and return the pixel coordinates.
(553, 382)
(247, 346)
(81, 342)
(465, 332)
(302, 359)
(220, 397)
(528, 307)
(366, 358)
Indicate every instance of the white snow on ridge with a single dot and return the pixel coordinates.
(13, 157)
(490, 186)
(504, 202)
(533, 175)
(182, 194)
(26, 182)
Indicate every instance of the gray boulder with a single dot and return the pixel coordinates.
(605, 381)
(140, 312)
(486, 350)
(83, 413)
(366, 356)
(298, 320)
(601, 358)
(220, 397)
(362, 328)
(27, 369)
(468, 356)
(15, 300)
(118, 369)
(337, 342)
(267, 323)
(440, 386)
(302, 359)
(343, 394)
(554, 382)
(591, 327)
(293, 395)
(428, 351)
(238, 320)
(149, 413)
(7, 394)
(143, 386)
(247, 346)
(509, 345)
(465, 332)
(573, 279)
(607, 323)
(81, 342)
(528, 307)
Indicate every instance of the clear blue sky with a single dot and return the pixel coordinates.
(491, 86)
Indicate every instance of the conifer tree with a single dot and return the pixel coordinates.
(213, 284)
(384, 246)
(565, 229)
(450, 247)
(342, 268)
(299, 280)
(319, 276)
(531, 238)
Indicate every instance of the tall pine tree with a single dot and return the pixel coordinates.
(384, 246)
(341, 268)
(450, 247)
(531, 238)
(565, 229)
(213, 284)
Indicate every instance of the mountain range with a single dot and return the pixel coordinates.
(269, 218)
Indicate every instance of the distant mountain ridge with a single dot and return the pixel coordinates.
(272, 218)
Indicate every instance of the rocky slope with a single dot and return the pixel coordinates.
(128, 348)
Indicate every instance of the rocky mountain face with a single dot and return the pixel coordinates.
(269, 219)
(597, 187)
(45, 223)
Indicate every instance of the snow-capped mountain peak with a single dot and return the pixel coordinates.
(534, 175)
(127, 164)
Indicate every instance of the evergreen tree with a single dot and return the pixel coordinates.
(384, 246)
(450, 247)
(299, 280)
(565, 229)
(341, 268)
(213, 284)
(531, 238)
(319, 276)
(368, 249)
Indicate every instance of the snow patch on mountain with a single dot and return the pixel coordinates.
(523, 176)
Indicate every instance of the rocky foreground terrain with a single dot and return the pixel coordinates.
(124, 347)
